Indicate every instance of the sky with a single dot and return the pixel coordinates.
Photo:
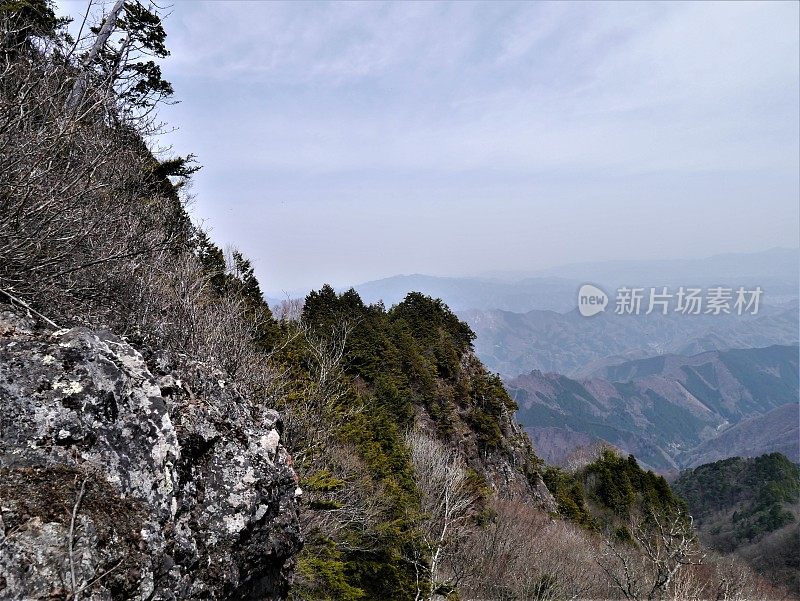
(344, 142)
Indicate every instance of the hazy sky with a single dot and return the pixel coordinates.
(347, 142)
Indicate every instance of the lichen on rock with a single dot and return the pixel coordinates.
(118, 482)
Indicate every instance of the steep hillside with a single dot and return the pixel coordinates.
(663, 407)
(131, 458)
(749, 507)
(562, 447)
(389, 372)
(567, 343)
(777, 430)
(733, 383)
(639, 421)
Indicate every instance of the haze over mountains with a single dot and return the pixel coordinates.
(568, 343)
(548, 293)
(777, 267)
(528, 321)
(662, 408)
(555, 289)
(675, 390)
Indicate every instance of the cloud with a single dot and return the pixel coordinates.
(398, 113)
(508, 86)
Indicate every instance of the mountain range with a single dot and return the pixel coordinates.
(514, 343)
(663, 408)
(555, 289)
(676, 390)
(548, 293)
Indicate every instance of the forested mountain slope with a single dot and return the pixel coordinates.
(661, 408)
(749, 507)
(395, 372)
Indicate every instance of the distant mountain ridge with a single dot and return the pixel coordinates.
(775, 431)
(555, 289)
(515, 343)
(550, 293)
(528, 320)
(661, 408)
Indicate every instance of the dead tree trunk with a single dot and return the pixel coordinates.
(79, 88)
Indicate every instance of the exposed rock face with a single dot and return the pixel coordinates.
(121, 482)
(510, 469)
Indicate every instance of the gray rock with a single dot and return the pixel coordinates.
(120, 483)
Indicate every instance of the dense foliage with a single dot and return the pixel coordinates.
(751, 507)
(399, 364)
(609, 491)
(755, 492)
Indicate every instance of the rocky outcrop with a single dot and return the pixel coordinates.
(510, 466)
(122, 481)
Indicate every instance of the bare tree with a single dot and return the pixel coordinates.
(728, 578)
(645, 567)
(446, 501)
(79, 88)
(290, 310)
(314, 415)
(523, 553)
(348, 501)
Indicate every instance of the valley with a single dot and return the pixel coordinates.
(663, 408)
